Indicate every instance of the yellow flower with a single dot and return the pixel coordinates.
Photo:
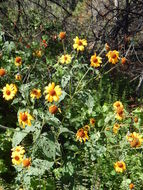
(9, 92)
(135, 139)
(18, 77)
(52, 92)
(26, 162)
(79, 44)
(120, 166)
(35, 93)
(92, 121)
(18, 61)
(118, 104)
(37, 53)
(18, 149)
(113, 56)
(95, 61)
(116, 128)
(65, 59)
(16, 158)
(25, 119)
(82, 135)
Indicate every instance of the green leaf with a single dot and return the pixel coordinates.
(39, 167)
(65, 80)
(18, 137)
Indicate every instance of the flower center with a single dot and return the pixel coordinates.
(52, 92)
(65, 57)
(24, 117)
(18, 59)
(113, 56)
(16, 158)
(8, 92)
(120, 165)
(95, 60)
(81, 133)
(79, 42)
(35, 92)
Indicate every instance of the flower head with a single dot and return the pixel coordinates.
(95, 61)
(113, 56)
(123, 60)
(9, 91)
(53, 109)
(26, 162)
(131, 186)
(17, 158)
(82, 135)
(52, 92)
(116, 128)
(18, 149)
(117, 104)
(86, 128)
(79, 44)
(92, 121)
(2, 72)
(37, 53)
(25, 119)
(18, 61)
(65, 59)
(62, 35)
(120, 166)
(18, 77)
(135, 139)
(35, 93)
(119, 110)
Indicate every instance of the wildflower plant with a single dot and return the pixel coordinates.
(64, 129)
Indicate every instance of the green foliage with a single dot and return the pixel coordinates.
(58, 160)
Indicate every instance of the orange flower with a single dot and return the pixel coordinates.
(26, 162)
(53, 109)
(82, 135)
(136, 119)
(62, 35)
(2, 72)
(120, 166)
(135, 139)
(131, 186)
(18, 61)
(92, 121)
(123, 60)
